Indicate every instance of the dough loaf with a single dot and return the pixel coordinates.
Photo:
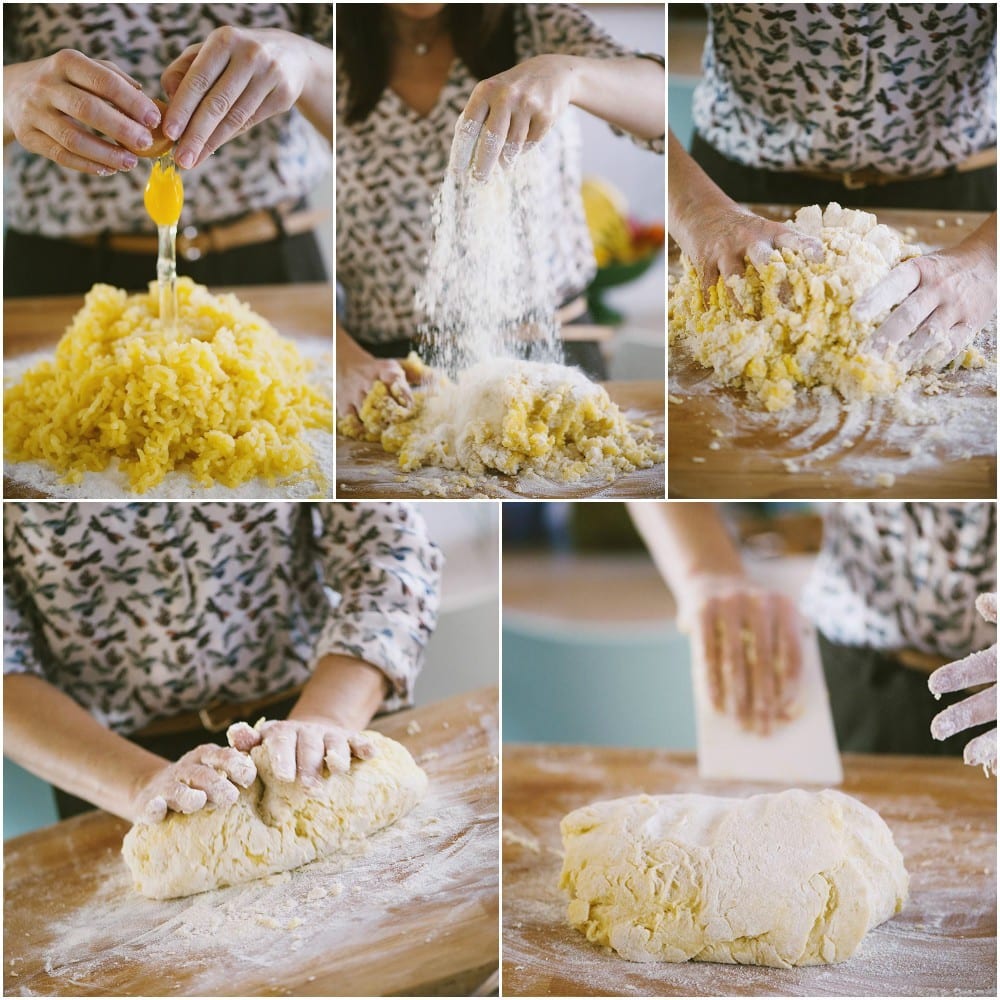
(794, 878)
(273, 826)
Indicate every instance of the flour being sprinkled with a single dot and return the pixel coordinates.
(489, 291)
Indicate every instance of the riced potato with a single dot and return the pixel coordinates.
(226, 400)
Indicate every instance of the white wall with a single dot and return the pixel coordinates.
(640, 175)
(464, 652)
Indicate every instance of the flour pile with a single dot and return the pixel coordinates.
(508, 416)
(789, 323)
(488, 291)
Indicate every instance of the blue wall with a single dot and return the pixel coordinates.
(607, 686)
(27, 801)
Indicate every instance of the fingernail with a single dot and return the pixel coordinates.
(172, 130)
(152, 119)
(185, 159)
(143, 140)
(129, 161)
(106, 172)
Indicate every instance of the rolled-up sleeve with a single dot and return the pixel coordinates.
(385, 571)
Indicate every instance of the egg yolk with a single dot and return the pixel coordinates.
(164, 195)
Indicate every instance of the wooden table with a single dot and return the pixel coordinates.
(303, 312)
(365, 471)
(942, 815)
(719, 447)
(417, 915)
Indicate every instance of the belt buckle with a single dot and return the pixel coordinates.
(188, 249)
(853, 181)
(212, 723)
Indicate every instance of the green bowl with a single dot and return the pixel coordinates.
(609, 277)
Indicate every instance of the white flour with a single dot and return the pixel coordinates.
(488, 291)
(112, 484)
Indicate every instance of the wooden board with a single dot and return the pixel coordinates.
(302, 312)
(365, 471)
(719, 446)
(416, 915)
(942, 815)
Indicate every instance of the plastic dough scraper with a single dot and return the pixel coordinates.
(803, 750)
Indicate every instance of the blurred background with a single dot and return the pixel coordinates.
(591, 649)
(687, 27)
(624, 195)
(463, 653)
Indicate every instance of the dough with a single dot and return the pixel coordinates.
(274, 825)
(789, 323)
(794, 878)
(513, 417)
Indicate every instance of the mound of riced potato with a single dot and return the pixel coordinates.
(226, 400)
(506, 416)
(787, 325)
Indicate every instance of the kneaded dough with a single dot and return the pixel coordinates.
(274, 825)
(794, 878)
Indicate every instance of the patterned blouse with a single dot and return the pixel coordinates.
(898, 87)
(905, 576)
(390, 166)
(279, 160)
(146, 610)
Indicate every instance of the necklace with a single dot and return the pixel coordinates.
(420, 46)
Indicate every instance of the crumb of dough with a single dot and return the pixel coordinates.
(226, 399)
(885, 479)
(413, 727)
(789, 324)
(507, 416)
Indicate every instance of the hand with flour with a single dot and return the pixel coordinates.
(300, 748)
(358, 370)
(744, 636)
(209, 776)
(972, 671)
(938, 302)
(717, 234)
(516, 108)
(747, 639)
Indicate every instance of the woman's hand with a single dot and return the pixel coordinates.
(510, 110)
(208, 775)
(939, 303)
(747, 639)
(300, 748)
(49, 105)
(234, 80)
(727, 236)
(355, 382)
(972, 671)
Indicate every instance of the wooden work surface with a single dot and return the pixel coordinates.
(942, 815)
(416, 915)
(303, 311)
(720, 447)
(365, 471)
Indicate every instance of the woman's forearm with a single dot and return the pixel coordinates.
(314, 101)
(342, 690)
(690, 190)
(686, 541)
(628, 92)
(49, 734)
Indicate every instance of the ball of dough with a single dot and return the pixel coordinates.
(794, 878)
(274, 825)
